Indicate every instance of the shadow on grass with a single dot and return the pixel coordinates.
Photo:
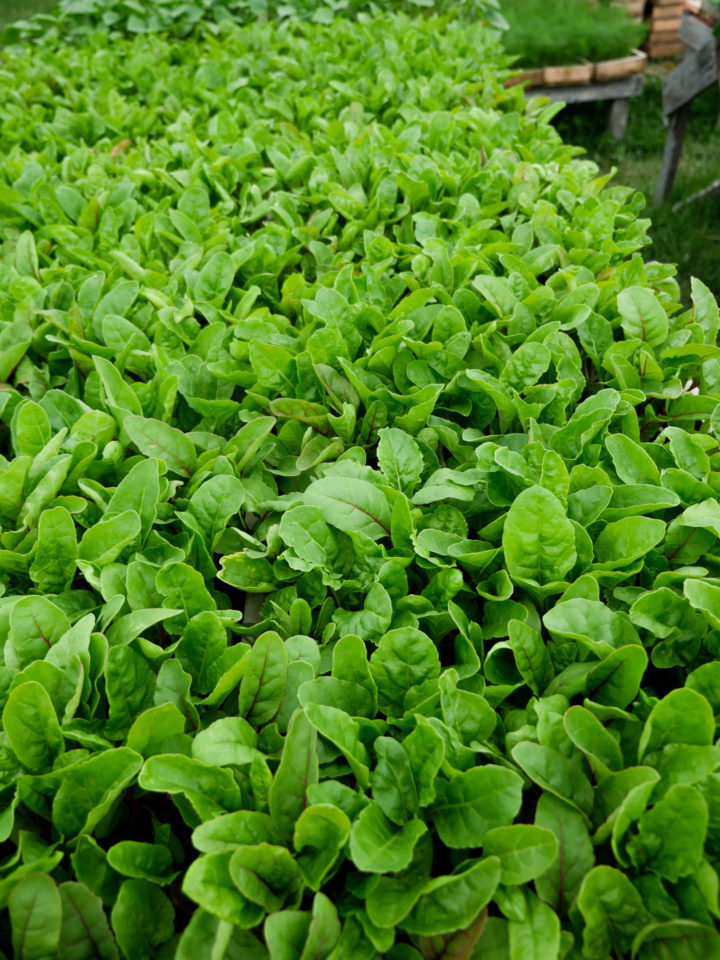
(689, 236)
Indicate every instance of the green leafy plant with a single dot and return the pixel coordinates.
(128, 17)
(359, 518)
(552, 33)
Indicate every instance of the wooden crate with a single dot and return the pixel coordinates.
(663, 50)
(664, 38)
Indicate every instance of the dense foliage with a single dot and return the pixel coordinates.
(359, 550)
(81, 18)
(544, 33)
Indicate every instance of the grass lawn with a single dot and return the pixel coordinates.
(690, 236)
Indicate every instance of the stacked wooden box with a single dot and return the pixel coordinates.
(664, 39)
(664, 17)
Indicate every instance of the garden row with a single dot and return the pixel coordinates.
(359, 550)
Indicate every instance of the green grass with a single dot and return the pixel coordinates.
(690, 236)
(592, 31)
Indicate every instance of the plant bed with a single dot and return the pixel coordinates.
(359, 570)
(528, 77)
(578, 74)
(556, 33)
(608, 70)
(563, 76)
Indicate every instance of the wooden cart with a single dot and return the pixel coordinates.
(697, 72)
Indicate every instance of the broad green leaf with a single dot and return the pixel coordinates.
(598, 746)
(88, 790)
(207, 931)
(404, 658)
(226, 742)
(705, 598)
(54, 563)
(669, 852)
(36, 624)
(320, 834)
(616, 679)
(141, 861)
(154, 727)
(230, 829)
(628, 539)
(682, 716)
(612, 911)
(344, 732)
(207, 882)
(264, 680)
(153, 438)
(425, 750)
(560, 883)
(210, 790)
(474, 802)
(130, 685)
(538, 538)
(266, 875)
(531, 656)
(30, 428)
(142, 918)
(32, 727)
(449, 903)
(85, 933)
(632, 464)
(298, 769)
(35, 916)
(525, 852)
(106, 540)
(379, 846)
(705, 310)
(251, 574)
(215, 278)
(399, 458)
(677, 938)
(215, 502)
(556, 773)
(642, 315)
(351, 504)
(292, 934)
(393, 784)
(537, 935)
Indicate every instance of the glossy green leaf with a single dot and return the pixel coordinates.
(35, 916)
(538, 539)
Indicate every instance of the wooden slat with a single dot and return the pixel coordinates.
(695, 33)
(671, 156)
(586, 93)
(671, 23)
(697, 72)
(659, 50)
(700, 195)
